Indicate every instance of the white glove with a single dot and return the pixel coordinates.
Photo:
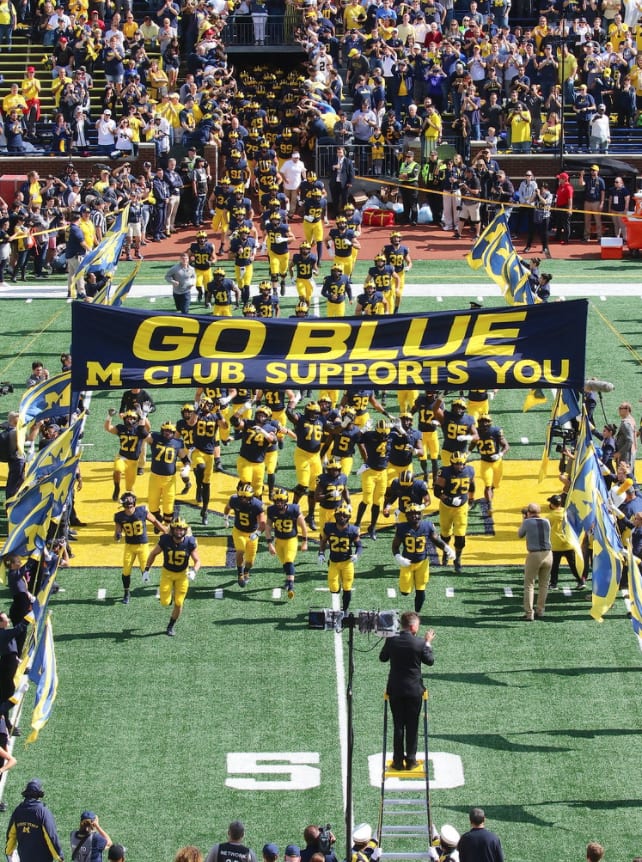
(404, 562)
(146, 407)
(450, 552)
(347, 242)
(376, 854)
(362, 469)
(495, 457)
(464, 437)
(254, 536)
(434, 855)
(146, 576)
(225, 400)
(111, 411)
(226, 520)
(435, 423)
(263, 431)
(455, 501)
(247, 405)
(191, 574)
(354, 558)
(321, 559)
(185, 472)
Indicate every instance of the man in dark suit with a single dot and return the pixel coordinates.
(341, 179)
(406, 653)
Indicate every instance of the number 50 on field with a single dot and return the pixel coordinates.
(298, 770)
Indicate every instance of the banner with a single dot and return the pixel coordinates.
(509, 348)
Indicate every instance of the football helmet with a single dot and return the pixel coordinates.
(178, 528)
(382, 427)
(168, 428)
(244, 491)
(458, 459)
(128, 499)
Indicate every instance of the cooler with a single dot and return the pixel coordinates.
(633, 232)
(612, 248)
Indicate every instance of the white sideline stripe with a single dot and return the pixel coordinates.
(102, 594)
(341, 703)
(439, 290)
(218, 593)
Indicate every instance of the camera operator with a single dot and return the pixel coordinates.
(318, 839)
(539, 559)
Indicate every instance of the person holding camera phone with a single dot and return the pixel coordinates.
(318, 839)
(539, 559)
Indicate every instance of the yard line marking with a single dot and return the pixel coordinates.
(391, 592)
(341, 703)
(102, 594)
(508, 592)
(276, 593)
(450, 592)
(218, 593)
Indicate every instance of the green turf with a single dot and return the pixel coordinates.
(544, 717)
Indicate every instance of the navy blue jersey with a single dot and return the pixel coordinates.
(284, 523)
(133, 526)
(454, 426)
(186, 431)
(330, 491)
(336, 288)
(402, 446)
(415, 492)
(345, 442)
(343, 543)
(164, 454)
(246, 513)
(309, 432)
(202, 254)
(414, 540)
(131, 440)
(176, 555)
(426, 408)
(377, 448)
(490, 442)
(456, 485)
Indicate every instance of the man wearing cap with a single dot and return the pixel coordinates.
(106, 128)
(405, 688)
(539, 559)
(594, 194)
(584, 107)
(444, 847)
(89, 840)
(32, 828)
(292, 853)
(232, 850)
(116, 853)
(270, 852)
(564, 206)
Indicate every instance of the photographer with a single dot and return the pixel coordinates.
(318, 839)
(539, 559)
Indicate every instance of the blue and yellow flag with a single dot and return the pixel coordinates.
(43, 673)
(494, 252)
(608, 556)
(121, 290)
(54, 454)
(28, 522)
(104, 258)
(63, 479)
(582, 494)
(45, 400)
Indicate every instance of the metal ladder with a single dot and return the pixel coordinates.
(404, 814)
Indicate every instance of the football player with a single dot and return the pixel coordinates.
(344, 543)
(178, 548)
(492, 446)
(243, 250)
(166, 449)
(249, 523)
(336, 289)
(342, 241)
(256, 434)
(374, 447)
(331, 491)
(222, 291)
(206, 444)
(406, 489)
(405, 444)
(308, 427)
(201, 257)
(430, 412)
(284, 522)
(132, 523)
(459, 431)
(131, 433)
(455, 489)
(304, 263)
(385, 280)
(410, 547)
(398, 256)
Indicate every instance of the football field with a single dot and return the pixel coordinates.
(243, 713)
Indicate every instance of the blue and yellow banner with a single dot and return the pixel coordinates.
(45, 400)
(494, 252)
(44, 673)
(104, 258)
(510, 348)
